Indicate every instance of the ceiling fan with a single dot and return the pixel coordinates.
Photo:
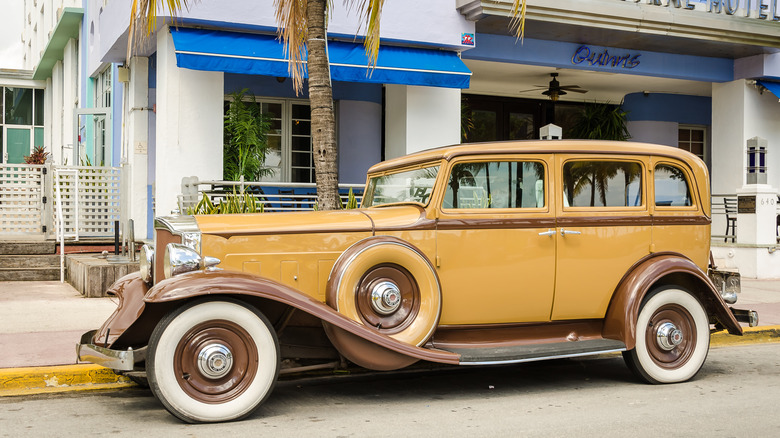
(555, 90)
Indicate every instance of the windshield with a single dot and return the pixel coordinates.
(413, 185)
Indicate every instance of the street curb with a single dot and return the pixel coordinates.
(751, 335)
(89, 377)
(40, 380)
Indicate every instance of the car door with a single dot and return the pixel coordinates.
(604, 227)
(495, 240)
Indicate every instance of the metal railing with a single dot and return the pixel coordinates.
(275, 197)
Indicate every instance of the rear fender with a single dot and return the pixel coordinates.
(663, 269)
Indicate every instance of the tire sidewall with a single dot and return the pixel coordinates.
(162, 348)
(645, 364)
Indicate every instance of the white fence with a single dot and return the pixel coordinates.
(88, 198)
(22, 192)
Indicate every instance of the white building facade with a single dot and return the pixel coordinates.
(699, 75)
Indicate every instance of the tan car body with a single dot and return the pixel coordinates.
(477, 285)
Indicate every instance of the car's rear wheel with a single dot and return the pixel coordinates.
(672, 337)
(213, 361)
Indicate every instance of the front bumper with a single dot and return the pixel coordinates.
(120, 360)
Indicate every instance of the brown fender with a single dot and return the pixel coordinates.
(204, 283)
(130, 290)
(660, 270)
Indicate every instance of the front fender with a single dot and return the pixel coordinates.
(659, 270)
(237, 284)
(130, 291)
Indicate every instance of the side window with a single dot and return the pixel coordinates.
(671, 187)
(602, 184)
(498, 184)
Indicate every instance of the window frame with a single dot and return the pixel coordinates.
(692, 188)
(286, 165)
(703, 128)
(445, 178)
(643, 205)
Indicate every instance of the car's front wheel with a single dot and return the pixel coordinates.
(213, 361)
(672, 337)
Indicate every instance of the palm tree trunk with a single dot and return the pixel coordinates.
(323, 123)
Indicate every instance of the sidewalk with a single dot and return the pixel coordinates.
(40, 323)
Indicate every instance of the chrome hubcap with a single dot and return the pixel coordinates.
(385, 298)
(215, 361)
(669, 336)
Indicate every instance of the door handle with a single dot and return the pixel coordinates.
(547, 233)
(565, 232)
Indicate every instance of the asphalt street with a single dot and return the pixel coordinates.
(735, 394)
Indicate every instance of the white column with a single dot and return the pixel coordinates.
(741, 111)
(419, 118)
(188, 126)
(137, 143)
(56, 120)
(69, 89)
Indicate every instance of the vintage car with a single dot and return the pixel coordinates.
(476, 254)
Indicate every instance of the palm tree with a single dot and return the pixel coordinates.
(302, 26)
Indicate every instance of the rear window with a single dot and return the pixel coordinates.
(671, 187)
(602, 184)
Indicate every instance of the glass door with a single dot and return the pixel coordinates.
(17, 144)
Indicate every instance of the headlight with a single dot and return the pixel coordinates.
(147, 263)
(181, 258)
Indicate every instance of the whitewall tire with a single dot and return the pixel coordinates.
(672, 337)
(213, 361)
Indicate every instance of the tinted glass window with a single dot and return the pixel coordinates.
(671, 187)
(602, 184)
(407, 186)
(501, 184)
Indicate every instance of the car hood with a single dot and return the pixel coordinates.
(370, 219)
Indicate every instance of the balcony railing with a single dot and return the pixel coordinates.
(275, 197)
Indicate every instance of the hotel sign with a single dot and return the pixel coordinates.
(588, 56)
(765, 9)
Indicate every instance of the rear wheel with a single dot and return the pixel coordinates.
(213, 361)
(672, 338)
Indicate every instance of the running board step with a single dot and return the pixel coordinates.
(528, 353)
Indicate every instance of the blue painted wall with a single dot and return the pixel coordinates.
(659, 107)
(500, 48)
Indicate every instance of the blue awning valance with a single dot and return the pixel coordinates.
(774, 87)
(256, 54)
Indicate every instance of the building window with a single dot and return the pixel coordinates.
(103, 89)
(691, 139)
(289, 153)
(21, 122)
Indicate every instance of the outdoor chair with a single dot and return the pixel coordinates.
(730, 206)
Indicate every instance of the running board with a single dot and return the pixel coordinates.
(529, 353)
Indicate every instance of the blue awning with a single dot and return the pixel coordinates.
(256, 54)
(774, 87)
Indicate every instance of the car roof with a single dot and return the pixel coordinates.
(538, 146)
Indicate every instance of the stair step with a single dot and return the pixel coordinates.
(30, 274)
(29, 261)
(31, 247)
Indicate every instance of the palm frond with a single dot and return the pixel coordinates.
(370, 13)
(517, 25)
(292, 30)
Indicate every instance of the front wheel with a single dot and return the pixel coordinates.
(672, 338)
(213, 361)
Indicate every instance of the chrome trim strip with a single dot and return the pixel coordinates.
(114, 359)
(534, 359)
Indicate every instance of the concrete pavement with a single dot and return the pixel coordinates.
(41, 321)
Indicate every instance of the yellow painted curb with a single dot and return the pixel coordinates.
(751, 335)
(38, 380)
